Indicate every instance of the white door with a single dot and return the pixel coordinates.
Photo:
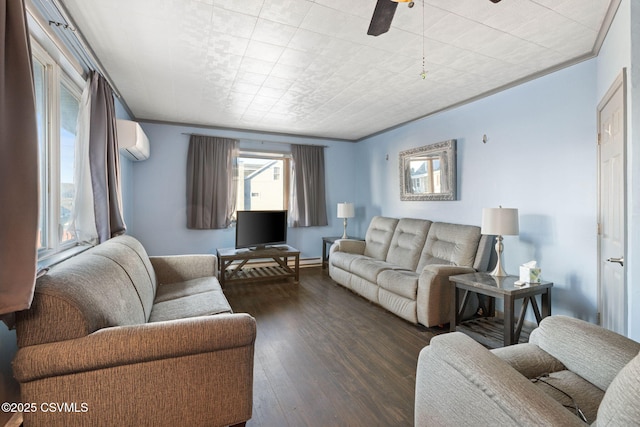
(612, 296)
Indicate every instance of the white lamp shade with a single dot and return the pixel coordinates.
(500, 221)
(346, 210)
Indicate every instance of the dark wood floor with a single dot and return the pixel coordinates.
(326, 357)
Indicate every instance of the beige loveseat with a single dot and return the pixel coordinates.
(404, 265)
(118, 338)
(569, 371)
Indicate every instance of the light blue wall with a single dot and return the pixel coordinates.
(159, 185)
(540, 158)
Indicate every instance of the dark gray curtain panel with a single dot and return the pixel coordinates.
(18, 162)
(211, 182)
(105, 160)
(308, 202)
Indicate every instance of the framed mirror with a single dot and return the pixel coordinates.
(429, 172)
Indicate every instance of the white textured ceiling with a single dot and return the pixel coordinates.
(308, 67)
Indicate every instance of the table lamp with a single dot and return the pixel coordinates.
(345, 210)
(499, 222)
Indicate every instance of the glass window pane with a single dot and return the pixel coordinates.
(69, 107)
(39, 78)
(261, 185)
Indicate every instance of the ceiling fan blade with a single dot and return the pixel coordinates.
(382, 17)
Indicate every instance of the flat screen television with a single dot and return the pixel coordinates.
(259, 229)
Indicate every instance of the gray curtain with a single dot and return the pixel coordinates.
(211, 182)
(18, 162)
(104, 160)
(308, 203)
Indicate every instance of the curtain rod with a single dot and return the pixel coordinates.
(69, 30)
(257, 140)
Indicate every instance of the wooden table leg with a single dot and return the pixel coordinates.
(453, 317)
(536, 310)
(222, 271)
(325, 257)
(546, 303)
(508, 320)
(523, 312)
(297, 268)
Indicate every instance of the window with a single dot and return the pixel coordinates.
(261, 183)
(57, 108)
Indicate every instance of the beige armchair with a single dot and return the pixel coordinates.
(571, 373)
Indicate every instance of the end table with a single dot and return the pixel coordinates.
(505, 288)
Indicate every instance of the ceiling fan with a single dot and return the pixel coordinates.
(383, 15)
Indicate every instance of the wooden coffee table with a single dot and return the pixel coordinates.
(234, 264)
(505, 288)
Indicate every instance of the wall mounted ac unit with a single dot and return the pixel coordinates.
(132, 141)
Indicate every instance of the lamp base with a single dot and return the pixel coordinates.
(499, 271)
(344, 234)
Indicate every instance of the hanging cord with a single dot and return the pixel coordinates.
(575, 407)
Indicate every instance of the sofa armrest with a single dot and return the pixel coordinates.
(593, 352)
(434, 296)
(127, 345)
(459, 382)
(348, 245)
(179, 268)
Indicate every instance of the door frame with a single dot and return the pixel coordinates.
(619, 82)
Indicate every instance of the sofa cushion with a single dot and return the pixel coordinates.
(620, 407)
(141, 253)
(369, 268)
(453, 244)
(398, 305)
(400, 282)
(188, 287)
(196, 297)
(343, 260)
(79, 296)
(571, 390)
(133, 263)
(564, 337)
(378, 237)
(407, 242)
(529, 359)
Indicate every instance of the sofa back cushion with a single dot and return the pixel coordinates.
(450, 244)
(407, 242)
(90, 291)
(620, 405)
(564, 337)
(378, 237)
(130, 255)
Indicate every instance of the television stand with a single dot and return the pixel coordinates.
(235, 265)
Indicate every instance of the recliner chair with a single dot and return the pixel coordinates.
(571, 373)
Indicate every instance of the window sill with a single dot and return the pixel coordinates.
(46, 263)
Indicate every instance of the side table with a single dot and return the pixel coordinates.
(326, 243)
(505, 288)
